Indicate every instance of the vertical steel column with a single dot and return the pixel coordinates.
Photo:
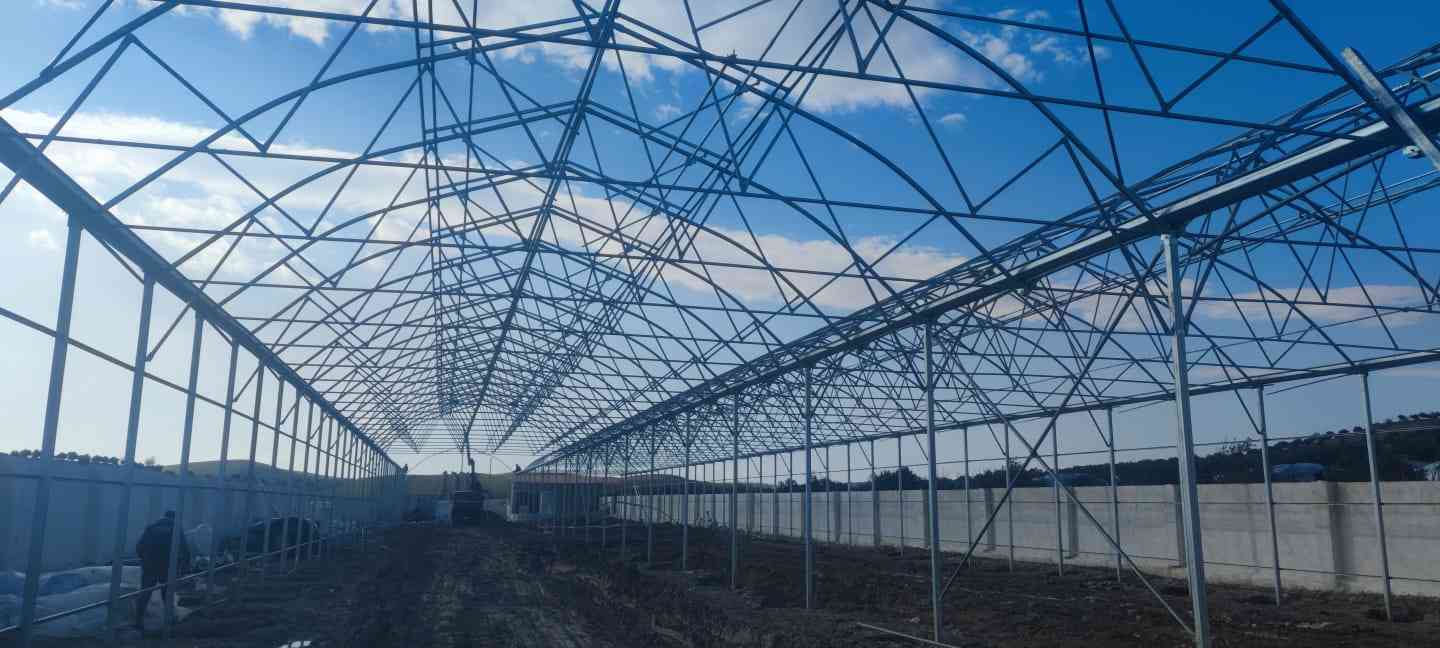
(1264, 429)
(274, 458)
(735, 501)
(1009, 505)
(965, 448)
(1185, 445)
(1114, 495)
(1055, 486)
(328, 478)
(829, 503)
(900, 488)
(650, 515)
(755, 491)
(751, 501)
(177, 534)
(1375, 493)
(35, 562)
(933, 509)
(849, 496)
(758, 485)
(250, 466)
(582, 499)
(223, 474)
(132, 431)
(775, 496)
(626, 507)
(685, 499)
(806, 523)
(874, 499)
(290, 484)
(302, 536)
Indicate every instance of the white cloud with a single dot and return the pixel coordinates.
(41, 239)
(919, 54)
(1335, 306)
(63, 4)
(202, 194)
(666, 111)
(953, 119)
(813, 255)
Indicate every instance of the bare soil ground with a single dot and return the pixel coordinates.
(502, 585)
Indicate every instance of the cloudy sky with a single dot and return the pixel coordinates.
(189, 74)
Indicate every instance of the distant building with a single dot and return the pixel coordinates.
(1432, 471)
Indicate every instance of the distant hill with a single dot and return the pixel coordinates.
(497, 485)
(1404, 446)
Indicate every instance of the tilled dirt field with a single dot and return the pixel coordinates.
(990, 605)
(502, 585)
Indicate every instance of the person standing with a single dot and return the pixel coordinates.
(154, 552)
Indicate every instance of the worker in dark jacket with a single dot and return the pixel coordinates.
(154, 552)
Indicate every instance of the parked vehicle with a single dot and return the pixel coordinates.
(467, 506)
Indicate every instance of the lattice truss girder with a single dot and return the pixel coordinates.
(530, 250)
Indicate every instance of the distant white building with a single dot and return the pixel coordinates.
(1432, 471)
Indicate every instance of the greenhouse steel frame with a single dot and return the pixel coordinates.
(1230, 270)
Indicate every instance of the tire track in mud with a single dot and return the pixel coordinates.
(453, 588)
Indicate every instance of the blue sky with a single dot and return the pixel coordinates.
(241, 61)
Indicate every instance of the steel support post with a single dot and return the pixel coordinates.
(1114, 493)
(582, 498)
(1264, 429)
(829, 503)
(735, 501)
(685, 500)
(806, 522)
(250, 466)
(290, 484)
(1376, 495)
(775, 496)
(849, 525)
(274, 457)
(749, 497)
(900, 488)
(306, 541)
(1009, 507)
(598, 488)
(965, 450)
(650, 513)
(35, 561)
(1185, 445)
(933, 509)
(874, 499)
(132, 431)
(625, 507)
(1055, 486)
(757, 487)
(187, 434)
(223, 474)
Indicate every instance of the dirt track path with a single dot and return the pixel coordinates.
(459, 587)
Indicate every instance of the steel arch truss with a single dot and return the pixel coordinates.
(530, 250)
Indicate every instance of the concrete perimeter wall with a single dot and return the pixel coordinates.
(1326, 530)
(85, 508)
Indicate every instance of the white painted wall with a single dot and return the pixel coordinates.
(1326, 530)
(85, 506)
